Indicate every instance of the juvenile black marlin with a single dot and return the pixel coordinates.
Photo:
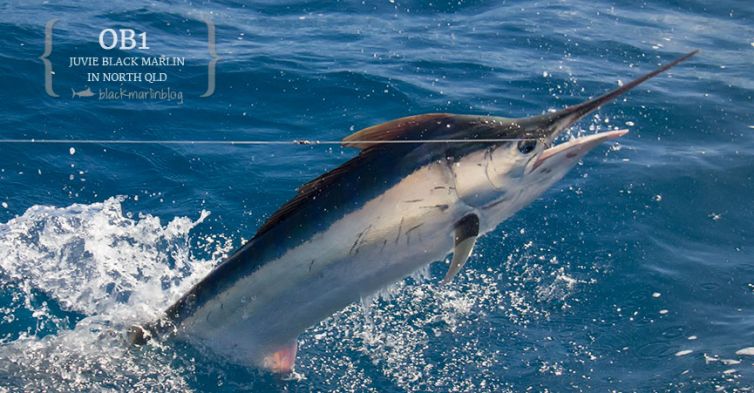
(420, 188)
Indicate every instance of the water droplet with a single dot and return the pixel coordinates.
(748, 351)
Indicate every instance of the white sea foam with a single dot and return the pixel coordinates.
(112, 271)
(95, 260)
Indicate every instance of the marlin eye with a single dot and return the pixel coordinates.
(527, 146)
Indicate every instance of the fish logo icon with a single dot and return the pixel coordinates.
(83, 93)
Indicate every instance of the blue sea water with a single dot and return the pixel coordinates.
(634, 273)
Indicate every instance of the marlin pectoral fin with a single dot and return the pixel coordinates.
(466, 232)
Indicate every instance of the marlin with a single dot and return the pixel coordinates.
(421, 188)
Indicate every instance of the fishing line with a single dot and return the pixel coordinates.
(249, 142)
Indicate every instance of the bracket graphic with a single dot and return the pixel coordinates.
(214, 58)
(44, 57)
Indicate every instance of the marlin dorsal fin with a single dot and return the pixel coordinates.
(466, 232)
(395, 129)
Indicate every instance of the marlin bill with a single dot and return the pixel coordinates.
(420, 188)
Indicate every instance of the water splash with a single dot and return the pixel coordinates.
(85, 272)
(419, 336)
(106, 271)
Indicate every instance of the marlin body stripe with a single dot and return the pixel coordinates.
(377, 218)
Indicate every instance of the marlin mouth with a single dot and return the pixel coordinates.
(577, 147)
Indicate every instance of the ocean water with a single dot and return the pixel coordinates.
(634, 273)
